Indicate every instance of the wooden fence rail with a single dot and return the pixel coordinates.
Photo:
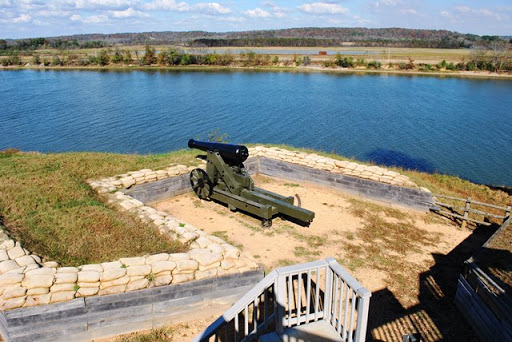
(467, 210)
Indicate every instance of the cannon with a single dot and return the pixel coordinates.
(226, 180)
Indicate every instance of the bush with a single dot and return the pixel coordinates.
(345, 62)
(442, 65)
(450, 66)
(374, 65)
(36, 60)
(361, 62)
(118, 57)
(306, 61)
(186, 59)
(471, 66)
(12, 60)
(102, 58)
(56, 61)
(275, 60)
(149, 57)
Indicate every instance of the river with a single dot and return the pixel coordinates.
(459, 126)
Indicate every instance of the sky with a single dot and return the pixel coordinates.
(43, 18)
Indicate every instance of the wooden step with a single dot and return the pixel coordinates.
(319, 331)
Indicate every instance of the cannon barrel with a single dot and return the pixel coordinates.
(233, 153)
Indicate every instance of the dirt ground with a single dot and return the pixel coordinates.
(408, 259)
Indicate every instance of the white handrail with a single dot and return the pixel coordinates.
(240, 305)
(352, 297)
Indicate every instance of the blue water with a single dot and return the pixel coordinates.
(451, 125)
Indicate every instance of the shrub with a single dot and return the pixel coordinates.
(306, 61)
(361, 62)
(450, 66)
(149, 57)
(345, 62)
(471, 66)
(118, 57)
(102, 58)
(275, 60)
(374, 65)
(56, 61)
(36, 60)
(442, 65)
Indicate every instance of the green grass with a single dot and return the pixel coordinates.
(47, 206)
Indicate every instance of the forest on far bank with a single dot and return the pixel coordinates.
(295, 37)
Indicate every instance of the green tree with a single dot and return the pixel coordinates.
(102, 58)
(118, 57)
(56, 61)
(127, 56)
(149, 56)
(36, 60)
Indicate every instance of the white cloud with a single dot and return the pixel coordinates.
(257, 13)
(463, 9)
(408, 11)
(169, 5)
(387, 3)
(277, 11)
(128, 13)
(5, 3)
(172, 5)
(93, 19)
(211, 8)
(100, 4)
(323, 8)
(468, 11)
(24, 18)
(52, 13)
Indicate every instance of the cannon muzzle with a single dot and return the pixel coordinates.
(230, 153)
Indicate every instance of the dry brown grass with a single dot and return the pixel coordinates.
(46, 204)
(385, 242)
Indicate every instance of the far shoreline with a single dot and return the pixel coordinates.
(303, 69)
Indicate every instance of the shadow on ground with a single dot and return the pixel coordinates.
(435, 318)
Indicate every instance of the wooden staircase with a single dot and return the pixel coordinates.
(319, 331)
(316, 301)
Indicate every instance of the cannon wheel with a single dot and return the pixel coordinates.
(201, 183)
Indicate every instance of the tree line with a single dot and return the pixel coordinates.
(493, 56)
(295, 37)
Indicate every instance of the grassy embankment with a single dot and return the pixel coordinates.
(46, 204)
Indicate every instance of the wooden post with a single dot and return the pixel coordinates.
(507, 213)
(466, 213)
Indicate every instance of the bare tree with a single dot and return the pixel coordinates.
(500, 52)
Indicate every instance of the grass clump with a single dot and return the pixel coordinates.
(46, 205)
(165, 334)
(223, 234)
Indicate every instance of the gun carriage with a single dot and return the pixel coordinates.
(226, 180)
